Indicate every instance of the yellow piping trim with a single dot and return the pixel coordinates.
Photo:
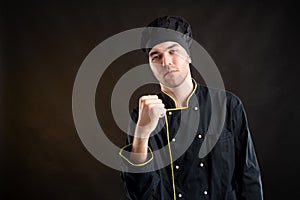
(137, 165)
(188, 99)
(168, 134)
(171, 98)
(171, 157)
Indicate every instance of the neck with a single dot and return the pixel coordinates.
(181, 92)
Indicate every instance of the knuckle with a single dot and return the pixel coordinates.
(142, 98)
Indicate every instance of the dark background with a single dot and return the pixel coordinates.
(43, 43)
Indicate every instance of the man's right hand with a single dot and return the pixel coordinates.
(151, 109)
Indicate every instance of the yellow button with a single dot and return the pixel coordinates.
(170, 113)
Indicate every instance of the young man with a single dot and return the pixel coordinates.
(151, 171)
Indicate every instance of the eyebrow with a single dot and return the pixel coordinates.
(170, 47)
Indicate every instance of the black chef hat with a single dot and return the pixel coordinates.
(167, 28)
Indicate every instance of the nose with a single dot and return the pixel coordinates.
(166, 59)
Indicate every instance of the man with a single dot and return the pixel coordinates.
(179, 118)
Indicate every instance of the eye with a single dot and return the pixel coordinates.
(155, 58)
(172, 51)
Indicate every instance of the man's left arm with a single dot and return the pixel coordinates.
(247, 172)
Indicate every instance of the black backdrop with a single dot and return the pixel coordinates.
(43, 44)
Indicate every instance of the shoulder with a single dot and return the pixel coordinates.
(219, 94)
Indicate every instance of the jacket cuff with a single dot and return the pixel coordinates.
(125, 154)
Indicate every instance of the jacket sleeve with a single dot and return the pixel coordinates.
(247, 172)
(139, 180)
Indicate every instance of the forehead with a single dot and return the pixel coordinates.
(164, 46)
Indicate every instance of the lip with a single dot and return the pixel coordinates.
(170, 72)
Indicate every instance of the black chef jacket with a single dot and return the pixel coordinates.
(229, 171)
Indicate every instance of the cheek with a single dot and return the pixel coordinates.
(155, 70)
(180, 60)
(182, 63)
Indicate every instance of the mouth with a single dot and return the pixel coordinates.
(170, 72)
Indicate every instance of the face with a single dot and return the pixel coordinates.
(169, 63)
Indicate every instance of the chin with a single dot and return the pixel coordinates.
(173, 84)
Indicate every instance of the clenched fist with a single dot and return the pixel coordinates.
(151, 109)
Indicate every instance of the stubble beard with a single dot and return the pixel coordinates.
(170, 85)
